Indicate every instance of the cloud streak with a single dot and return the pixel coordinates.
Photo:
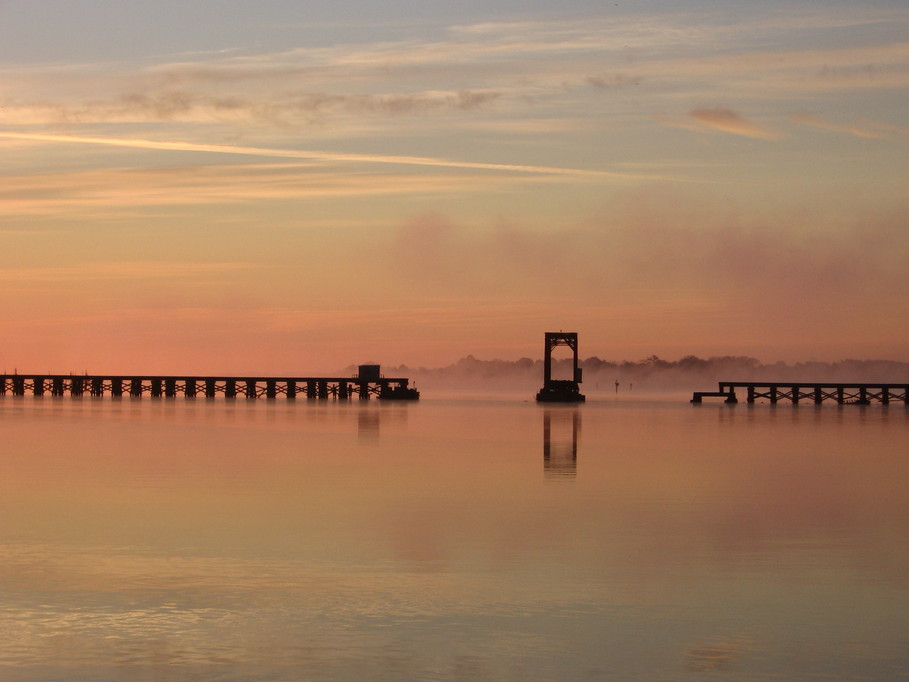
(334, 157)
(282, 109)
(104, 193)
(477, 68)
(118, 271)
(867, 129)
(728, 121)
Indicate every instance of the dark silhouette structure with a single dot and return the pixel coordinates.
(809, 391)
(368, 383)
(560, 390)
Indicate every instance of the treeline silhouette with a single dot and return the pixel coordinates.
(650, 374)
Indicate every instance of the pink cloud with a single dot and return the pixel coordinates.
(728, 121)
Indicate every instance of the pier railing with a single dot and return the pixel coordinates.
(809, 391)
(313, 388)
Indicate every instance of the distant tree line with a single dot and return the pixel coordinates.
(652, 373)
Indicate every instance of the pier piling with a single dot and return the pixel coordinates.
(794, 392)
(316, 388)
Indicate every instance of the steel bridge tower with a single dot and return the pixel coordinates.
(560, 390)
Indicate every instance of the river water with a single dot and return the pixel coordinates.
(452, 539)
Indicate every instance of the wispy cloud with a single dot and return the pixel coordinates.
(479, 68)
(293, 108)
(334, 157)
(729, 121)
(866, 129)
(119, 191)
(118, 271)
(719, 119)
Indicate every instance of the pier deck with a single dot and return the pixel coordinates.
(135, 386)
(809, 391)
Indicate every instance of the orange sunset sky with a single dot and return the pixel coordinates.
(289, 187)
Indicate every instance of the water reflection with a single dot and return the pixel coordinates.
(368, 421)
(561, 427)
(212, 541)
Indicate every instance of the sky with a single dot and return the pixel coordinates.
(280, 187)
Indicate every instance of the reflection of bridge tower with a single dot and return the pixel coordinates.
(560, 390)
(560, 442)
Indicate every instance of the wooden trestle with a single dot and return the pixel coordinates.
(808, 391)
(314, 388)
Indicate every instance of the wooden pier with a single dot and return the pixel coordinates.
(809, 391)
(136, 386)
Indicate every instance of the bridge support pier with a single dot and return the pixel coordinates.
(560, 390)
(319, 388)
(841, 393)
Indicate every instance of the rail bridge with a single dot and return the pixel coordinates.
(809, 391)
(369, 383)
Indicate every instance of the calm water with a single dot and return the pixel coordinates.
(452, 540)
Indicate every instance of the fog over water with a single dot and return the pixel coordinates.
(650, 374)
